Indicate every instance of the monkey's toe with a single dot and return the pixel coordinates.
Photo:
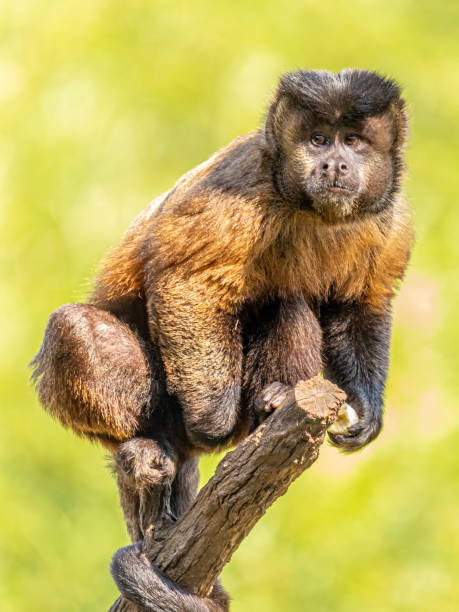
(146, 462)
(271, 398)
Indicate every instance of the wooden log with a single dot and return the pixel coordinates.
(193, 551)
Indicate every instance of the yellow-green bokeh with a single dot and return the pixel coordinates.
(103, 104)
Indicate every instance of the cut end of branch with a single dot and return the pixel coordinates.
(320, 399)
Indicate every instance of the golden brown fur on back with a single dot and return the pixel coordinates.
(228, 229)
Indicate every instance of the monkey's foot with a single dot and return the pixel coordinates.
(146, 462)
(271, 398)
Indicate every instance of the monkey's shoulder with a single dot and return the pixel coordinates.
(211, 220)
(239, 172)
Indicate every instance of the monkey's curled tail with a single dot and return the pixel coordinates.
(141, 583)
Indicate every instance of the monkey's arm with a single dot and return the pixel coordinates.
(356, 341)
(201, 348)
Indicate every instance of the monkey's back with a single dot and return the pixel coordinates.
(224, 224)
(202, 222)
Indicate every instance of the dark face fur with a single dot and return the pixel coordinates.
(336, 142)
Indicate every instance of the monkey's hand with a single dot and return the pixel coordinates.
(353, 429)
(269, 399)
(146, 462)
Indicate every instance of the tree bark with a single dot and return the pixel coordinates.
(193, 551)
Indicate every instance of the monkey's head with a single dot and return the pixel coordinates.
(336, 142)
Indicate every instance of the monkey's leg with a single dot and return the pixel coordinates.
(95, 374)
(282, 345)
(145, 470)
(201, 349)
(142, 583)
(163, 492)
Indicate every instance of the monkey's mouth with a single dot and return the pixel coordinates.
(334, 202)
(336, 187)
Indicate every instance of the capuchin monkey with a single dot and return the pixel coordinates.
(274, 260)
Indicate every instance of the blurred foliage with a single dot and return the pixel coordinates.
(103, 104)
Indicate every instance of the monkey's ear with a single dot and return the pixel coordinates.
(400, 120)
(274, 120)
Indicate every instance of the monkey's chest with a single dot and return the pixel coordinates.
(314, 270)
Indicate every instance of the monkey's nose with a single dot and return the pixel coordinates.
(342, 168)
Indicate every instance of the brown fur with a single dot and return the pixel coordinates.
(240, 244)
(273, 260)
(76, 374)
(220, 239)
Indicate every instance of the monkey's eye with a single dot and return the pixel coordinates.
(351, 140)
(318, 139)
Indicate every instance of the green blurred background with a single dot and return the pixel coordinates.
(103, 104)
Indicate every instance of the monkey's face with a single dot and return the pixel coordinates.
(339, 171)
(336, 142)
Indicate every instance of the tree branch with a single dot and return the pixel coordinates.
(194, 550)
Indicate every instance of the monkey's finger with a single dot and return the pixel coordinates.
(271, 397)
